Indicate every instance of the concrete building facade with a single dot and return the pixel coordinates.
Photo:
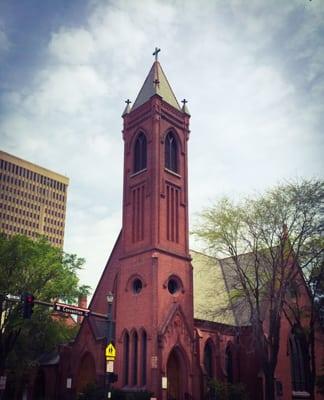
(32, 200)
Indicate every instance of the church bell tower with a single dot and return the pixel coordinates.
(154, 322)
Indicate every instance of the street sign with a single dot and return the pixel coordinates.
(83, 312)
(110, 366)
(110, 352)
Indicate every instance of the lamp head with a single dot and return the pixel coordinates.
(110, 298)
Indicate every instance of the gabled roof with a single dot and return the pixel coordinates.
(156, 83)
(211, 294)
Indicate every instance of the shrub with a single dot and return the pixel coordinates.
(227, 391)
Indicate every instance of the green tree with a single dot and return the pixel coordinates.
(280, 233)
(49, 274)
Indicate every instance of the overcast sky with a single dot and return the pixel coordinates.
(252, 71)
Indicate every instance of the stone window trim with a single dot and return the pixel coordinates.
(169, 171)
(133, 174)
(300, 395)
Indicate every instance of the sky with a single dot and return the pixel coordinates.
(251, 70)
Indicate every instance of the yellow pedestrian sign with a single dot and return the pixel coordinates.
(110, 352)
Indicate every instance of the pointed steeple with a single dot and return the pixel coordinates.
(156, 83)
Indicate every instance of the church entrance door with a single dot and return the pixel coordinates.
(86, 372)
(176, 376)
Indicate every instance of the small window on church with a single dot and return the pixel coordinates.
(137, 286)
(173, 286)
(171, 152)
(140, 153)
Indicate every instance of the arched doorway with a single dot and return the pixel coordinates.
(176, 375)
(86, 373)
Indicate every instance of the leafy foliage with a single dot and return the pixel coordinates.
(270, 241)
(227, 391)
(49, 274)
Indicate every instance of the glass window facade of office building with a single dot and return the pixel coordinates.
(32, 200)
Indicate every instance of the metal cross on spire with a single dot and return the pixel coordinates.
(156, 53)
(184, 101)
(127, 102)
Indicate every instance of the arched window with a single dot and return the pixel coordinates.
(126, 358)
(135, 358)
(140, 153)
(298, 376)
(208, 359)
(171, 152)
(229, 365)
(144, 356)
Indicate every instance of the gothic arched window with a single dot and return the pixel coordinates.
(229, 365)
(208, 359)
(171, 152)
(298, 376)
(135, 357)
(126, 358)
(144, 356)
(140, 153)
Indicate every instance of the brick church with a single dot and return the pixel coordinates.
(166, 342)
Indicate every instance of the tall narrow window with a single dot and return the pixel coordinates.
(171, 152)
(208, 360)
(135, 357)
(126, 358)
(144, 355)
(229, 365)
(298, 376)
(140, 153)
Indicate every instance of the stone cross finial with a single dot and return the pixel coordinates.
(156, 53)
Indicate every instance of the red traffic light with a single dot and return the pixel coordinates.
(29, 298)
(28, 304)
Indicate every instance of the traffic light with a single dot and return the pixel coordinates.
(28, 305)
(112, 377)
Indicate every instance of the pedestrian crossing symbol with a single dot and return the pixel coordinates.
(110, 352)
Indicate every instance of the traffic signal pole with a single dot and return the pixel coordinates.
(59, 307)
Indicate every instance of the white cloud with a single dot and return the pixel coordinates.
(75, 46)
(66, 89)
(251, 123)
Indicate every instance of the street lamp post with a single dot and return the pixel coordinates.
(110, 300)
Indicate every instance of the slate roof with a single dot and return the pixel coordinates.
(156, 83)
(214, 280)
(215, 283)
(211, 296)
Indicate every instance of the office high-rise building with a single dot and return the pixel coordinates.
(32, 199)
